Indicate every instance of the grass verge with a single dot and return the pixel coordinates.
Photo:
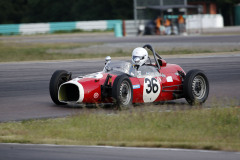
(33, 52)
(12, 51)
(216, 129)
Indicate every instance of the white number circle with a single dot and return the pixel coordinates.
(151, 89)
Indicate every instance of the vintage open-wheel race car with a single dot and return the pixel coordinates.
(123, 84)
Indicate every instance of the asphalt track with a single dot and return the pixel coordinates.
(109, 38)
(24, 86)
(24, 95)
(53, 152)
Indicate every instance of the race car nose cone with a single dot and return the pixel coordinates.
(71, 92)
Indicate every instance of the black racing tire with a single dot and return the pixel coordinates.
(122, 92)
(196, 87)
(58, 78)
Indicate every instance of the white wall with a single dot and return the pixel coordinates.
(204, 21)
(34, 28)
(91, 25)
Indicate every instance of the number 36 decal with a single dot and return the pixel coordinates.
(151, 89)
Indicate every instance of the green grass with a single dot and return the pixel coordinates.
(12, 51)
(216, 128)
(183, 51)
(32, 52)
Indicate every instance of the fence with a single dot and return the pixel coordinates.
(193, 22)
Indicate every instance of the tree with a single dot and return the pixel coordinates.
(31, 11)
(227, 10)
(12, 11)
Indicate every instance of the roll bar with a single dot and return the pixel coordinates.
(155, 55)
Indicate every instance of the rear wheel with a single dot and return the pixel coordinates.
(122, 92)
(59, 77)
(196, 87)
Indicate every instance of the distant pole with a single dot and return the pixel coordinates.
(200, 13)
(161, 2)
(135, 12)
(185, 4)
(124, 28)
(186, 14)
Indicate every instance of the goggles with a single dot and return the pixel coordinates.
(140, 57)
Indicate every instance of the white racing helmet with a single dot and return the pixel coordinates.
(139, 56)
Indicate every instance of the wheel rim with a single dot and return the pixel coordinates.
(199, 87)
(125, 93)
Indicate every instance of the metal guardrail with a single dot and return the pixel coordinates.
(9, 29)
(130, 26)
(51, 27)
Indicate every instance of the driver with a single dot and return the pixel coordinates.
(139, 57)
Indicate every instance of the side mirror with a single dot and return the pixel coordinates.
(108, 60)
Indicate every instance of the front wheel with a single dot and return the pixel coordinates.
(122, 91)
(59, 77)
(196, 87)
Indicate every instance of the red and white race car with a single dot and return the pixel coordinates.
(122, 84)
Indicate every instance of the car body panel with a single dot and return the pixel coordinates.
(124, 83)
(146, 88)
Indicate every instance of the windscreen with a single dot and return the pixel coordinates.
(120, 66)
(127, 67)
